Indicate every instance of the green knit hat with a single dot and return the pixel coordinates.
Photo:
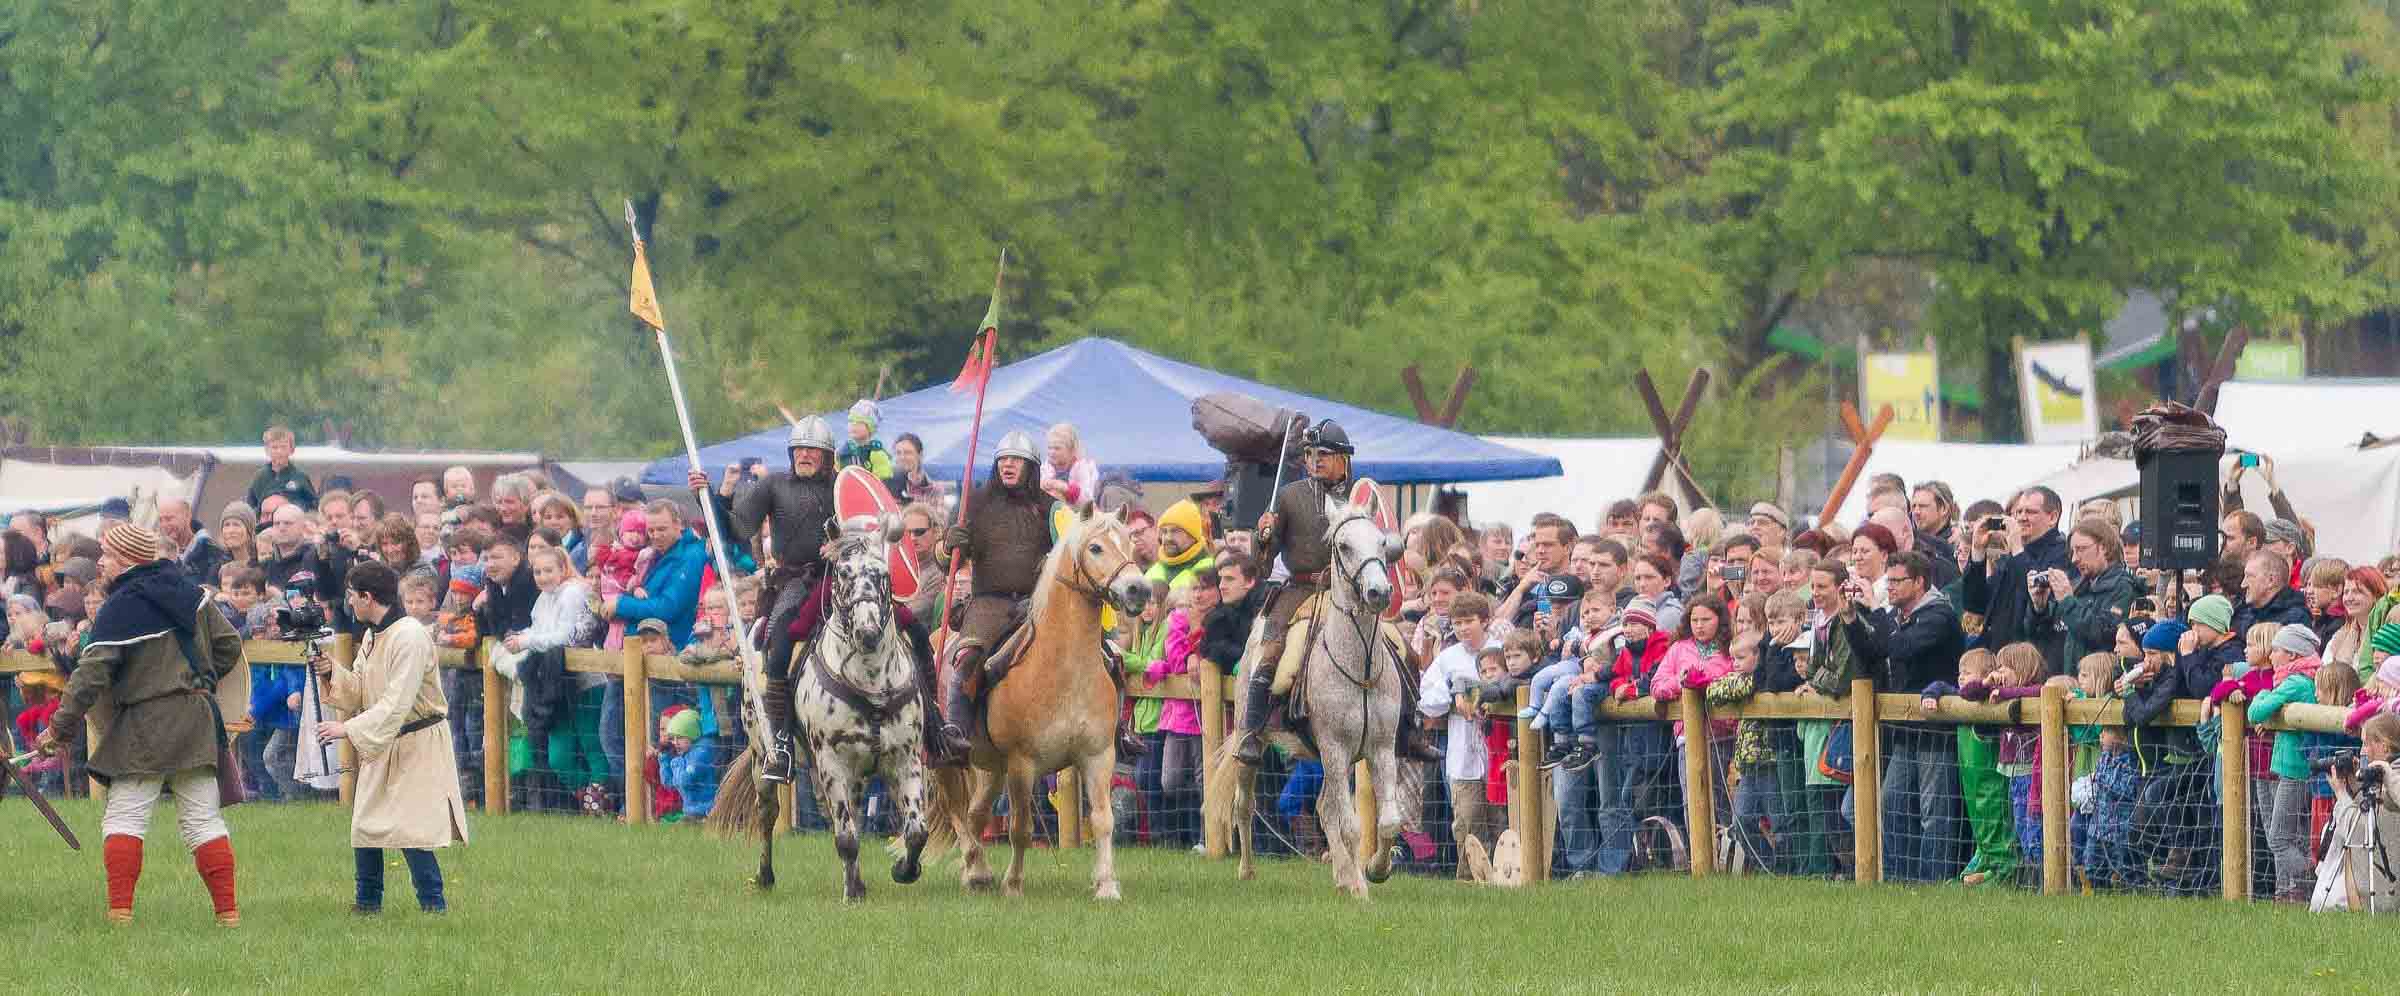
(2214, 612)
(685, 724)
(2386, 639)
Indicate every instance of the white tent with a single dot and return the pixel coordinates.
(2300, 416)
(1973, 470)
(2352, 497)
(1595, 472)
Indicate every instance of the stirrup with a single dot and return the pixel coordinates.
(779, 759)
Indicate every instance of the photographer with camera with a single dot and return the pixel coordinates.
(322, 558)
(2005, 558)
(2362, 848)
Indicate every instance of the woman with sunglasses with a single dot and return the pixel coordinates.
(916, 529)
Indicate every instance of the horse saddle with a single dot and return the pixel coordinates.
(1299, 638)
(1003, 655)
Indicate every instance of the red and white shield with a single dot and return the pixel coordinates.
(1369, 494)
(857, 492)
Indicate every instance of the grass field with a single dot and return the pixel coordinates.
(553, 904)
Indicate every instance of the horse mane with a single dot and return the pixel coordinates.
(1053, 562)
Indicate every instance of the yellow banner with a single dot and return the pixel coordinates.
(1910, 383)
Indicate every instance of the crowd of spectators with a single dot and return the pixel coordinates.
(1993, 601)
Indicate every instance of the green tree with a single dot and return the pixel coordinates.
(2041, 161)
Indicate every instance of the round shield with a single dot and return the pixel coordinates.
(857, 492)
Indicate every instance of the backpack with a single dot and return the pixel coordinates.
(1836, 762)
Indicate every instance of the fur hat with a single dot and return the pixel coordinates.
(1768, 509)
(632, 521)
(2297, 640)
(867, 412)
(685, 724)
(2214, 612)
(130, 543)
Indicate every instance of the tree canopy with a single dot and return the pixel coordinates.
(408, 216)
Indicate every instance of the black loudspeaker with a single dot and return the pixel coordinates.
(2179, 509)
(1251, 490)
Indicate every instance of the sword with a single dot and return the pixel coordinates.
(1283, 455)
(38, 802)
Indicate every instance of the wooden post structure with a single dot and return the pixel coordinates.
(1670, 431)
(1364, 800)
(1866, 782)
(344, 650)
(1212, 735)
(2233, 774)
(1699, 788)
(1862, 438)
(1447, 416)
(1529, 808)
(495, 730)
(637, 730)
(1071, 810)
(2057, 761)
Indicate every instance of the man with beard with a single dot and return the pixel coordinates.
(1006, 537)
(1182, 545)
(793, 507)
(1294, 529)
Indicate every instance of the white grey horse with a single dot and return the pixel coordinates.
(1351, 687)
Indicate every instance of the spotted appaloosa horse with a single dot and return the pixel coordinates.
(860, 714)
(1057, 708)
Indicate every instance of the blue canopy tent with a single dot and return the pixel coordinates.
(1134, 411)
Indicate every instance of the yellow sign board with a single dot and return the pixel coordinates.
(1911, 384)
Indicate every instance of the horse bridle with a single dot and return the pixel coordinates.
(878, 591)
(1353, 576)
(1080, 581)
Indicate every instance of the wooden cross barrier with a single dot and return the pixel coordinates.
(1670, 431)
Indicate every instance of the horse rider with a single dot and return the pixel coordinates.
(1006, 536)
(1294, 528)
(796, 508)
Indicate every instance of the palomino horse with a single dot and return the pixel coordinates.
(859, 708)
(1350, 684)
(1056, 708)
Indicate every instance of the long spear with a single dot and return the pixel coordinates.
(645, 307)
(978, 369)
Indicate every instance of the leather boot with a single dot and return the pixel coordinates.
(928, 692)
(778, 703)
(950, 744)
(1256, 695)
(1408, 742)
(1129, 743)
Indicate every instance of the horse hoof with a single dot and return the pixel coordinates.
(1246, 873)
(978, 883)
(1378, 876)
(905, 872)
(1107, 890)
(853, 893)
(763, 884)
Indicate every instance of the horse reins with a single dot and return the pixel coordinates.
(1362, 622)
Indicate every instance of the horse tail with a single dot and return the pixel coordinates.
(737, 798)
(1225, 799)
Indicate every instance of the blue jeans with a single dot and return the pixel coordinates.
(1758, 807)
(423, 872)
(1585, 715)
(1922, 838)
(1550, 684)
(464, 690)
(1148, 779)
(612, 728)
(1637, 758)
(1582, 796)
(253, 745)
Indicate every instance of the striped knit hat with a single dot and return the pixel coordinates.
(130, 544)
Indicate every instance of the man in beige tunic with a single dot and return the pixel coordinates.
(407, 795)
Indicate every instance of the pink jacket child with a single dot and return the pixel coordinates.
(620, 565)
(1177, 716)
(2377, 696)
(1686, 667)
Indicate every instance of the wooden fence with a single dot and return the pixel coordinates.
(1530, 811)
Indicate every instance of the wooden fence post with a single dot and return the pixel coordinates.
(2233, 775)
(1529, 808)
(1212, 735)
(1071, 810)
(637, 730)
(495, 730)
(1363, 799)
(1866, 782)
(344, 651)
(2057, 763)
(1699, 785)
